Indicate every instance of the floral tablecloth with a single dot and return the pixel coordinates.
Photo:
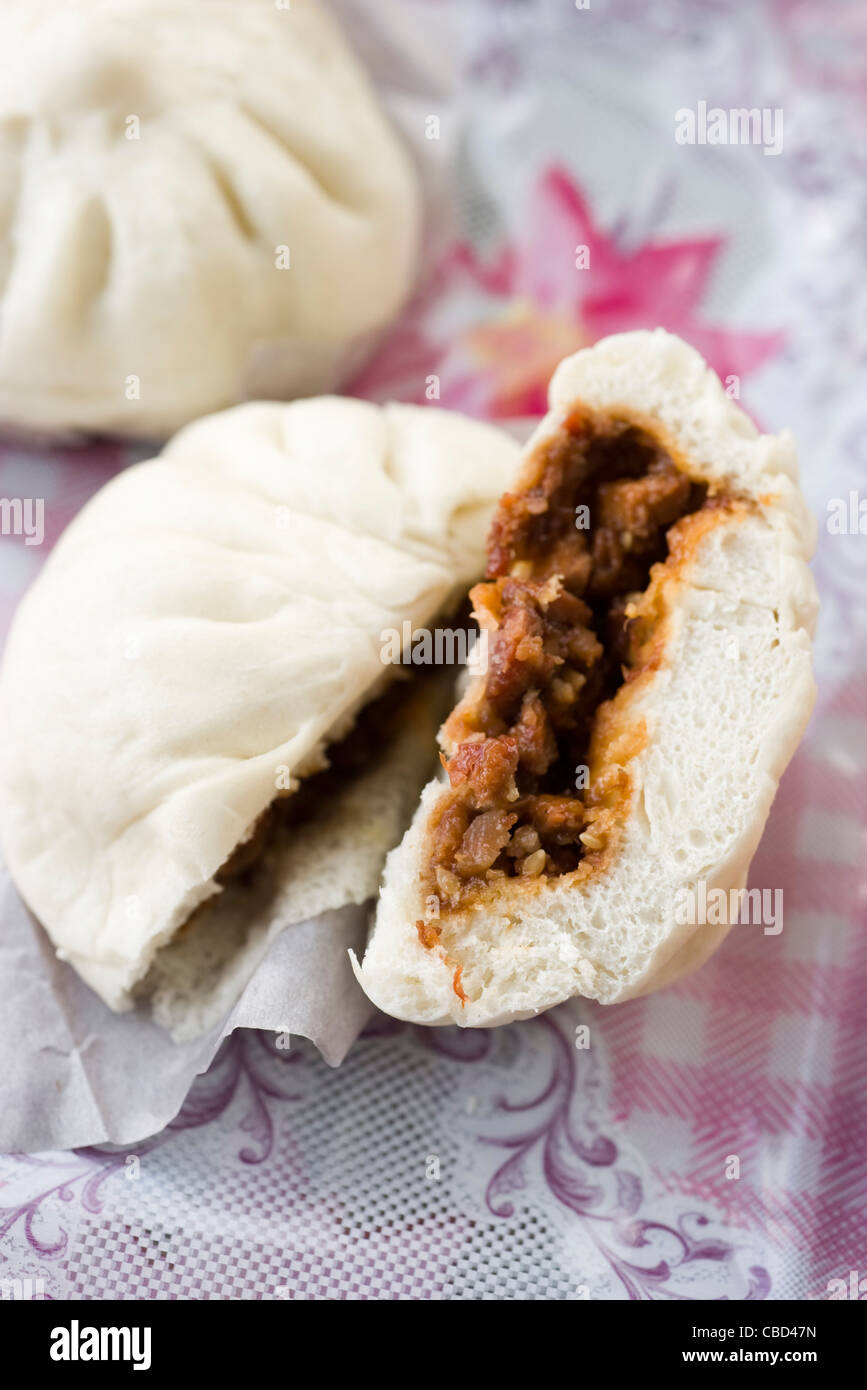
(515, 1164)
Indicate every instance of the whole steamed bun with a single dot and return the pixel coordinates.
(199, 201)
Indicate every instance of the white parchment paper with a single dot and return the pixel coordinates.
(74, 1073)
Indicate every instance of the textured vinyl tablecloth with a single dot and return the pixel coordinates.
(514, 1164)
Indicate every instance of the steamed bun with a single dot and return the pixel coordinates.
(205, 627)
(199, 202)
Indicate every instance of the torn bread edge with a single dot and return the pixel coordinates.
(716, 732)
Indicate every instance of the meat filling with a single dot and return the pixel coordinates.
(567, 558)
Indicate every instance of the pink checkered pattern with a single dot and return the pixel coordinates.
(763, 1053)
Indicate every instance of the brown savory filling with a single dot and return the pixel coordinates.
(568, 557)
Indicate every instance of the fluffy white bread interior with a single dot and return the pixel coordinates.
(328, 858)
(207, 623)
(716, 723)
(198, 203)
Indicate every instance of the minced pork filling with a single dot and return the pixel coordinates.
(568, 556)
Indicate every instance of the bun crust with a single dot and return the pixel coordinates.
(695, 740)
(209, 622)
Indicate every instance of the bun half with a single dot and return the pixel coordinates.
(684, 700)
(205, 630)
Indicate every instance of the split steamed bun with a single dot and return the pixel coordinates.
(206, 626)
(199, 202)
(514, 890)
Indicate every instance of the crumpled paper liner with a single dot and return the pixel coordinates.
(74, 1073)
(270, 951)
